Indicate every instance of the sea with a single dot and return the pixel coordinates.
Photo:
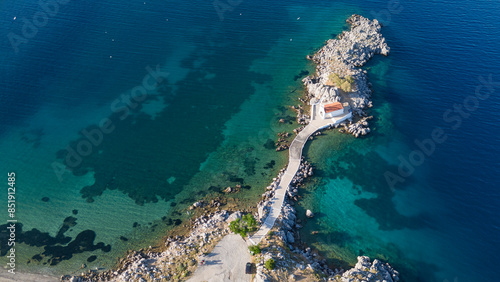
(116, 116)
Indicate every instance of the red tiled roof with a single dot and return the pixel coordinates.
(333, 107)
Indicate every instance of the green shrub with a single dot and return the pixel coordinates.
(243, 232)
(270, 264)
(250, 221)
(243, 226)
(234, 226)
(255, 249)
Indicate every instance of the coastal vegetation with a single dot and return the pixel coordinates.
(255, 249)
(343, 83)
(242, 226)
(270, 264)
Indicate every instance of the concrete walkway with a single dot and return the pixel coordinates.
(225, 263)
(295, 154)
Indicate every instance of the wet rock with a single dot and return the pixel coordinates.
(364, 270)
(309, 214)
(198, 204)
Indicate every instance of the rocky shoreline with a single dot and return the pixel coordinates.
(177, 261)
(343, 56)
(294, 258)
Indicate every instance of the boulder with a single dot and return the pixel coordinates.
(364, 270)
(260, 276)
(309, 213)
(233, 216)
(262, 210)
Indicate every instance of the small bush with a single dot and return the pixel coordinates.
(243, 226)
(250, 221)
(255, 249)
(270, 264)
(243, 232)
(181, 267)
(234, 226)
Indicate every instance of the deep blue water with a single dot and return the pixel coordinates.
(446, 46)
(65, 78)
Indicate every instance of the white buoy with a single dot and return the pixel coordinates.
(14, 18)
(290, 39)
(110, 57)
(298, 18)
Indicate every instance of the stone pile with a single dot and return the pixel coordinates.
(301, 117)
(359, 128)
(305, 170)
(364, 270)
(298, 130)
(282, 143)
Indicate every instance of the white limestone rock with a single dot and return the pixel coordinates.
(233, 216)
(309, 213)
(364, 270)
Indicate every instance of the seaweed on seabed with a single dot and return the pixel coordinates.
(53, 248)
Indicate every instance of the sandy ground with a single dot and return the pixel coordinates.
(225, 263)
(26, 277)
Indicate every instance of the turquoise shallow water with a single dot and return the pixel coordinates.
(205, 126)
(440, 223)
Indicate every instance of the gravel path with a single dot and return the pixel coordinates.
(225, 263)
